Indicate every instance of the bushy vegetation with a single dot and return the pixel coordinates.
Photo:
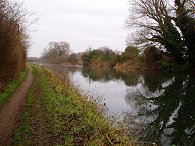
(129, 60)
(151, 59)
(73, 59)
(13, 41)
(131, 53)
(69, 118)
(100, 57)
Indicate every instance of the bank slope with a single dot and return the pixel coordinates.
(56, 114)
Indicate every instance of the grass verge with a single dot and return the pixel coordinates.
(22, 135)
(12, 87)
(64, 117)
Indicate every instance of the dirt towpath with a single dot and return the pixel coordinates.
(9, 113)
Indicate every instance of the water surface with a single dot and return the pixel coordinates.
(155, 107)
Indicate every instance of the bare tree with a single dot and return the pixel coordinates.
(61, 47)
(154, 22)
(105, 50)
(165, 25)
(56, 52)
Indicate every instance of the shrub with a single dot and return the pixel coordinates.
(13, 40)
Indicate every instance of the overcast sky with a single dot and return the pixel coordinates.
(81, 23)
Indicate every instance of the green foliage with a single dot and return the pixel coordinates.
(86, 58)
(129, 61)
(100, 57)
(131, 53)
(172, 67)
(186, 22)
(151, 55)
(173, 34)
(163, 65)
(172, 41)
(11, 87)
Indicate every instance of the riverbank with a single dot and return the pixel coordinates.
(55, 113)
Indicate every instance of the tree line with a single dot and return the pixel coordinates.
(13, 40)
(60, 52)
(100, 57)
(163, 39)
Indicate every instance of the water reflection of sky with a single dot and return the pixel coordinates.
(158, 108)
(112, 92)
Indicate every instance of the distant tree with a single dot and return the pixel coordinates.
(33, 59)
(104, 50)
(131, 53)
(73, 59)
(56, 52)
(86, 59)
(61, 47)
(114, 58)
(103, 56)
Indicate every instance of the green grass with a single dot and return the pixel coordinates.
(12, 87)
(22, 135)
(74, 119)
(69, 118)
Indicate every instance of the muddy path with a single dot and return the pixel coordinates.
(9, 113)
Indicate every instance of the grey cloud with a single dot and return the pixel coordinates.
(82, 23)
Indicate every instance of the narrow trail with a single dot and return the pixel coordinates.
(9, 113)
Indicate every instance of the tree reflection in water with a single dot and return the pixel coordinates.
(164, 109)
(162, 106)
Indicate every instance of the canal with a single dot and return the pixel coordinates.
(155, 107)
